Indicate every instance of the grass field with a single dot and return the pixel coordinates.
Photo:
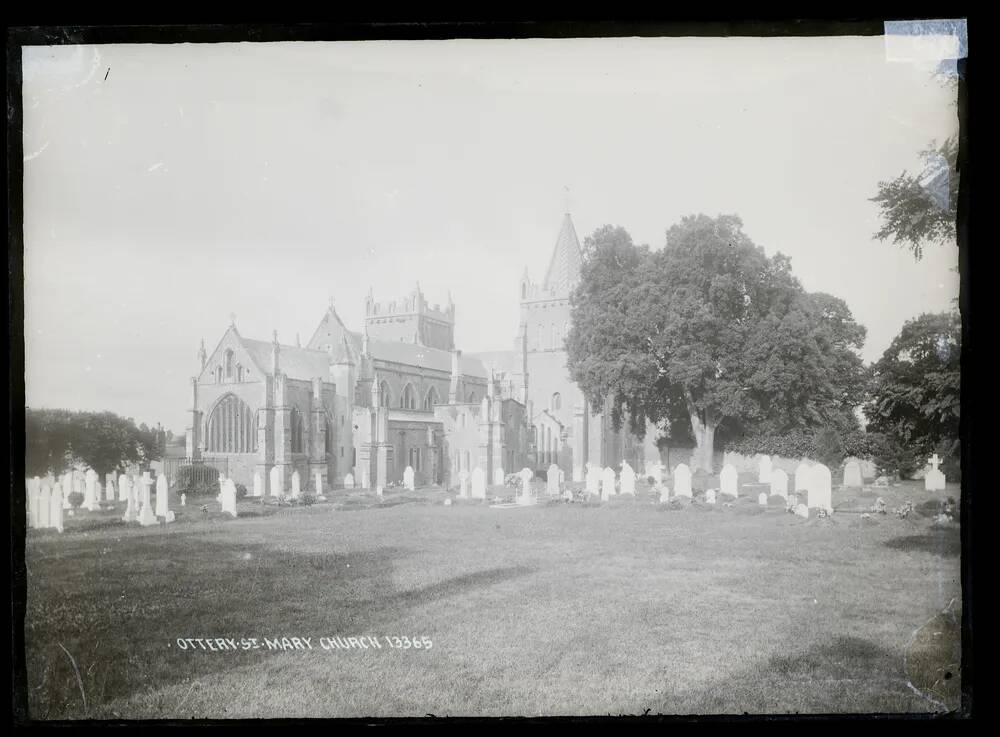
(629, 607)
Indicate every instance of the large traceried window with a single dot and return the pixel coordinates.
(232, 427)
(297, 428)
(384, 395)
(431, 399)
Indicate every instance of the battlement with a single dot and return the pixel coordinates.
(411, 320)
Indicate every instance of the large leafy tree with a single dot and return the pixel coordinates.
(56, 439)
(920, 209)
(916, 385)
(708, 331)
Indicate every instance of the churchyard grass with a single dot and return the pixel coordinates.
(629, 607)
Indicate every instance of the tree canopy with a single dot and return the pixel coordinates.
(917, 210)
(709, 330)
(57, 439)
(916, 385)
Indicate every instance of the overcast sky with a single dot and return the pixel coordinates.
(168, 186)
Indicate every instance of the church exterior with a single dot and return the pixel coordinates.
(399, 393)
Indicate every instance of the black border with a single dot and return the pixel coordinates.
(361, 27)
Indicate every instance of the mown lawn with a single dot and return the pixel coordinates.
(624, 608)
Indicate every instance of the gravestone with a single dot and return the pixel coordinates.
(258, 484)
(552, 480)
(729, 481)
(162, 496)
(463, 484)
(131, 500)
(67, 488)
(802, 476)
(478, 483)
(802, 511)
(56, 510)
(378, 491)
(710, 496)
(408, 478)
(147, 517)
(109, 487)
(184, 500)
(819, 495)
(593, 480)
(779, 483)
(45, 497)
(32, 503)
(525, 497)
(90, 499)
(277, 482)
(124, 483)
(318, 483)
(498, 476)
(607, 484)
(296, 484)
(762, 499)
(764, 470)
(627, 479)
(852, 475)
(934, 479)
(664, 493)
(229, 498)
(682, 481)
(349, 481)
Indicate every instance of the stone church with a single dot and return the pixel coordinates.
(399, 393)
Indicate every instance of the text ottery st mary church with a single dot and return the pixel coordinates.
(399, 393)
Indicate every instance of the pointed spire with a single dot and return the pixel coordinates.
(364, 340)
(275, 351)
(202, 354)
(564, 266)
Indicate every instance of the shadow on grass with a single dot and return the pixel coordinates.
(941, 542)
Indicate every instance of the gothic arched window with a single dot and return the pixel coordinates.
(228, 362)
(232, 427)
(384, 395)
(297, 428)
(408, 399)
(431, 399)
(328, 441)
(556, 401)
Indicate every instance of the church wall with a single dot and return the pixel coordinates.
(460, 425)
(412, 446)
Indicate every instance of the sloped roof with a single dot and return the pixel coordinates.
(564, 266)
(294, 362)
(413, 354)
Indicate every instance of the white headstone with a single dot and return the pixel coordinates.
(627, 479)
(463, 484)
(525, 497)
(123, 488)
(147, 516)
(132, 500)
(478, 483)
(67, 489)
(762, 499)
(607, 484)
(408, 478)
(802, 476)
(498, 476)
(277, 481)
(184, 500)
(229, 498)
(664, 493)
(258, 484)
(593, 480)
(45, 498)
(318, 483)
(819, 493)
(31, 510)
(56, 510)
(349, 481)
(779, 483)
(852, 475)
(90, 500)
(934, 479)
(296, 484)
(764, 470)
(162, 494)
(682, 481)
(552, 480)
(710, 496)
(729, 481)
(802, 510)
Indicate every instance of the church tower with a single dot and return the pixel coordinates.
(411, 320)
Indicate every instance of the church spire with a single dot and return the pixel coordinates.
(564, 266)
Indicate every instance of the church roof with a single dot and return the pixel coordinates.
(413, 354)
(564, 266)
(293, 362)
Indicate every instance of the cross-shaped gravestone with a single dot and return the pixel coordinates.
(934, 461)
